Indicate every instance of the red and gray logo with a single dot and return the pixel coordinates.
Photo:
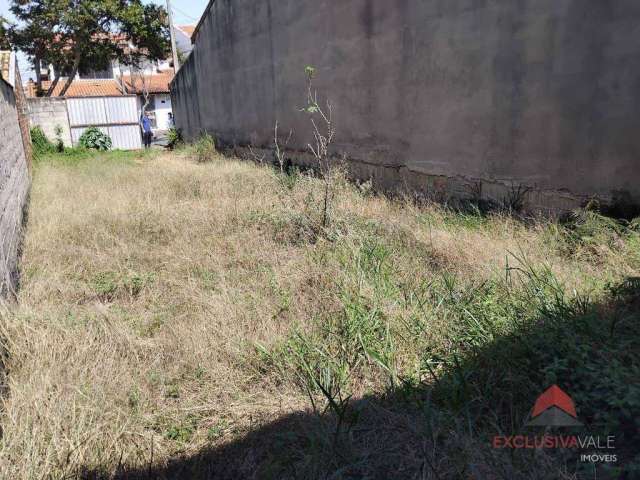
(554, 408)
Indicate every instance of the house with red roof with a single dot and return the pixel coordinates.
(150, 82)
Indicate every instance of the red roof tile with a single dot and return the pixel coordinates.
(82, 88)
(158, 83)
(188, 29)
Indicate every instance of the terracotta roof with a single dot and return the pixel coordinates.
(187, 29)
(81, 88)
(158, 83)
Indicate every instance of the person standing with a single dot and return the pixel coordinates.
(171, 121)
(147, 133)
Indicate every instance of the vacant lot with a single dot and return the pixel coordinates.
(180, 319)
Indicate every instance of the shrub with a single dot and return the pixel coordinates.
(93, 138)
(174, 138)
(324, 132)
(40, 142)
(204, 148)
(59, 142)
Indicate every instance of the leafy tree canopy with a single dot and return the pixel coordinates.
(4, 35)
(88, 34)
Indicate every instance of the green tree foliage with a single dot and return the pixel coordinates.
(75, 35)
(4, 35)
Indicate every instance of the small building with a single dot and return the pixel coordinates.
(156, 89)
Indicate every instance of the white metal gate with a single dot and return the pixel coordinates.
(115, 116)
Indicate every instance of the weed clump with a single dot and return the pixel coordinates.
(40, 143)
(204, 149)
(108, 285)
(504, 341)
(593, 232)
(175, 138)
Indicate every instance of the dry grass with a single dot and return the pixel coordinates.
(148, 281)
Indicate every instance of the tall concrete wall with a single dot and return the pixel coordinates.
(14, 188)
(49, 113)
(445, 96)
(23, 116)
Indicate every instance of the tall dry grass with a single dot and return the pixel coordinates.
(148, 282)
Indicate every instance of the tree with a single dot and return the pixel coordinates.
(140, 82)
(75, 35)
(38, 35)
(4, 34)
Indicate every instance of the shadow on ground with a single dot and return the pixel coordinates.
(443, 429)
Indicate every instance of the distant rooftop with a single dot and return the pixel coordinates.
(81, 88)
(158, 83)
(187, 29)
(108, 87)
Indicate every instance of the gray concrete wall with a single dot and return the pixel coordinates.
(23, 116)
(48, 113)
(14, 188)
(444, 96)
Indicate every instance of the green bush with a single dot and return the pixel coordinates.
(93, 138)
(205, 148)
(174, 138)
(40, 143)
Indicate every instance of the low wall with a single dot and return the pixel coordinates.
(445, 96)
(14, 188)
(116, 116)
(49, 113)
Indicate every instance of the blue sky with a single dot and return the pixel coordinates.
(185, 12)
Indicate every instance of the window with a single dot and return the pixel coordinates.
(107, 73)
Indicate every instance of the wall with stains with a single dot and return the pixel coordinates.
(14, 188)
(452, 97)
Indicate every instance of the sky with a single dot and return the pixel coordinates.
(185, 12)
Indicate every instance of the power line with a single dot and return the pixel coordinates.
(186, 15)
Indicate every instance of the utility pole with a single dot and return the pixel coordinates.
(174, 50)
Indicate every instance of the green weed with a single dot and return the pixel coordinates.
(204, 149)
(181, 433)
(503, 342)
(107, 285)
(40, 143)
